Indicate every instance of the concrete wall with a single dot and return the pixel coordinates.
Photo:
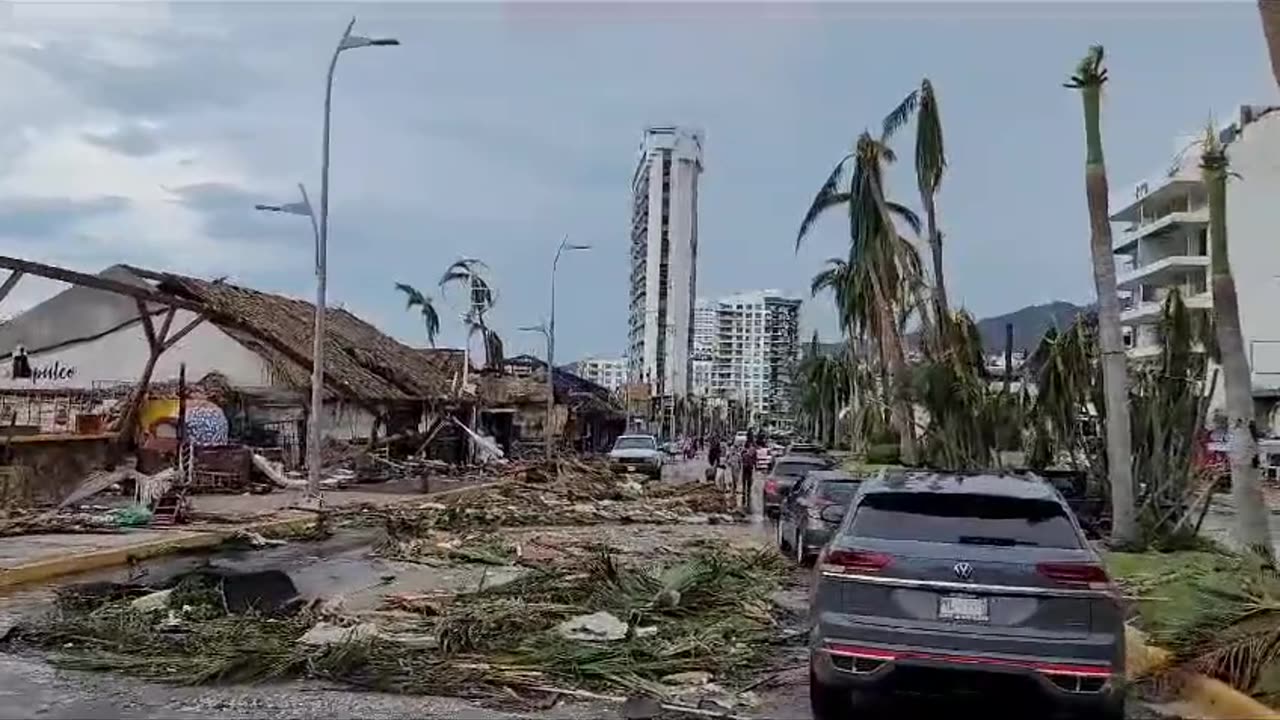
(55, 467)
(1253, 217)
(120, 356)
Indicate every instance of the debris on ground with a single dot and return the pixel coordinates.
(325, 634)
(599, 626)
(1216, 612)
(654, 629)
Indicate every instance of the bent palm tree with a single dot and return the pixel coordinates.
(1246, 489)
(931, 163)
(1089, 78)
(427, 307)
(881, 264)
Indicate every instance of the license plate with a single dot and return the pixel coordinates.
(631, 468)
(962, 607)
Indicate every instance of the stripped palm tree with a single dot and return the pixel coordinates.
(880, 260)
(931, 163)
(470, 273)
(1089, 77)
(1252, 529)
(426, 306)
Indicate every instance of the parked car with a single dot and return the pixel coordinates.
(787, 471)
(740, 438)
(637, 454)
(812, 511)
(806, 448)
(963, 583)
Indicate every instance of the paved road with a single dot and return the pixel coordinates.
(29, 687)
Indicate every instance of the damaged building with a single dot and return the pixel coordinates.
(68, 364)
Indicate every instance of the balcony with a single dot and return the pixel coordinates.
(1165, 271)
(1148, 312)
(1128, 239)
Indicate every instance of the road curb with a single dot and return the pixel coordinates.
(1201, 697)
(195, 539)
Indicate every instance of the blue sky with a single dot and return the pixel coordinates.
(146, 132)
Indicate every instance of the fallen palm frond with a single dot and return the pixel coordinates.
(711, 611)
(1219, 614)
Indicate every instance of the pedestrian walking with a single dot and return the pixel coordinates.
(735, 468)
(748, 471)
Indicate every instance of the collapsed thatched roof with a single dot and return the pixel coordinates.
(361, 362)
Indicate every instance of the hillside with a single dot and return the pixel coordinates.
(1029, 325)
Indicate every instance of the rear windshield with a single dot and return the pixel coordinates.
(837, 492)
(635, 443)
(795, 469)
(964, 519)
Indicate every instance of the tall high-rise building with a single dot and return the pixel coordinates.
(753, 340)
(609, 373)
(664, 260)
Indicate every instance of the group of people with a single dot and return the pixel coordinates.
(733, 467)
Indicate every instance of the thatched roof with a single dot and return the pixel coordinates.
(361, 362)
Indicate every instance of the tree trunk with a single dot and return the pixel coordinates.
(853, 390)
(942, 308)
(1270, 11)
(1124, 522)
(899, 406)
(1252, 529)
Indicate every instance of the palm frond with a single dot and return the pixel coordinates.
(414, 297)
(900, 115)
(907, 215)
(931, 157)
(828, 196)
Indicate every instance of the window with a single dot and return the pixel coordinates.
(839, 492)
(964, 518)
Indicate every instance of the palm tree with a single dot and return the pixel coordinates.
(470, 273)
(1089, 78)
(1246, 489)
(1270, 11)
(881, 266)
(931, 163)
(427, 307)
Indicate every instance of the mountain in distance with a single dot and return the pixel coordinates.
(1029, 325)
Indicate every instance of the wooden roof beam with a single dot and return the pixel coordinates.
(97, 282)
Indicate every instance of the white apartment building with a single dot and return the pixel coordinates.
(664, 260)
(1163, 243)
(754, 344)
(609, 373)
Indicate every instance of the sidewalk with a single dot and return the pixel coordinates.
(35, 558)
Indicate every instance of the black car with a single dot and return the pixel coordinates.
(811, 512)
(787, 471)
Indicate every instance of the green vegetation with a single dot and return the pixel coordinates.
(710, 611)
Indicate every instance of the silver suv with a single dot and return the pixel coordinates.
(947, 583)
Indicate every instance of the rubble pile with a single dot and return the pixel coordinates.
(576, 493)
(702, 623)
(87, 519)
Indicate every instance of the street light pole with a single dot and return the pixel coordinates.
(551, 345)
(347, 42)
(546, 335)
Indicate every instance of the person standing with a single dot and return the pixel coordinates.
(748, 471)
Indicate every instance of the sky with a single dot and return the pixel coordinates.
(146, 133)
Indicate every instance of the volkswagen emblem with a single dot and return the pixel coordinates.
(963, 570)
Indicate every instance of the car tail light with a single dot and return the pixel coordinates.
(1079, 575)
(853, 562)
